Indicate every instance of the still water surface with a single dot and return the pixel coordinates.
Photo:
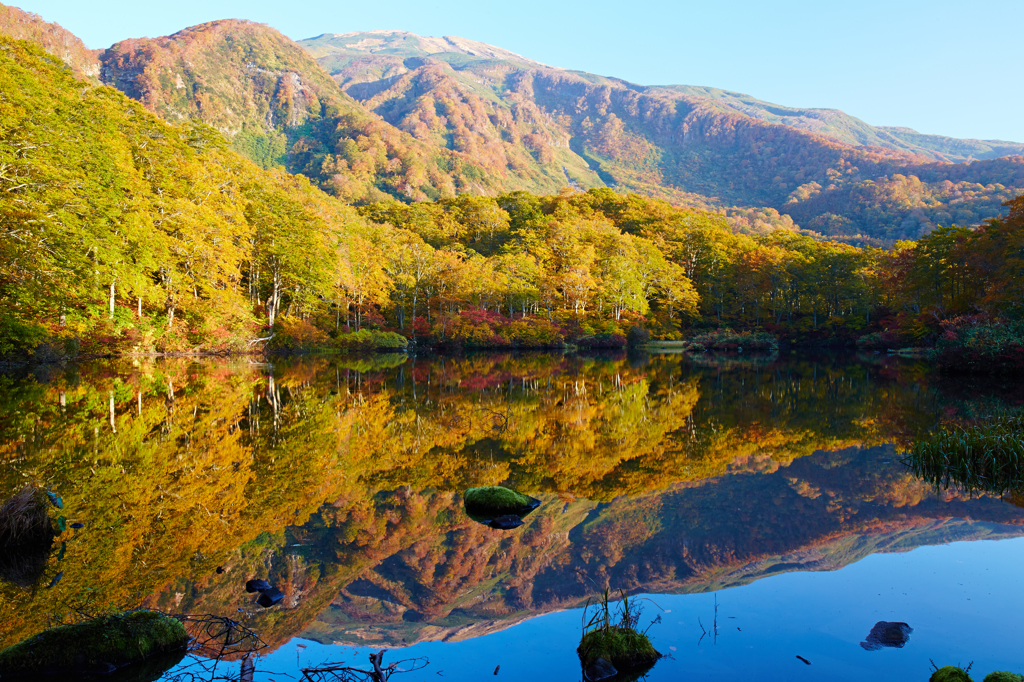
(769, 486)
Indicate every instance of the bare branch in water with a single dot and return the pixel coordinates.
(337, 672)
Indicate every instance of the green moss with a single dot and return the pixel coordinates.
(625, 648)
(98, 645)
(495, 500)
(950, 673)
(1003, 676)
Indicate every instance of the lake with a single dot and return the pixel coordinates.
(759, 505)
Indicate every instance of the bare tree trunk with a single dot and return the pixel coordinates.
(415, 297)
(112, 298)
(275, 299)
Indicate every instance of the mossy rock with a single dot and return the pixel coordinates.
(489, 502)
(625, 648)
(101, 645)
(950, 673)
(1003, 676)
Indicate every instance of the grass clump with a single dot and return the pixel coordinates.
(988, 456)
(99, 645)
(950, 673)
(613, 635)
(496, 500)
(26, 535)
(624, 648)
(24, 518)
(371, 339)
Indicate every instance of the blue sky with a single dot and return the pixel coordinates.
(942, 67)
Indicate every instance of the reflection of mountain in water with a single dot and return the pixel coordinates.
(379, 622)
(820, 513)
(657, 477)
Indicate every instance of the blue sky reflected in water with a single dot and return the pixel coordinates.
(964, 601)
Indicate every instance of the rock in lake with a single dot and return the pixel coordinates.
(506, 522)
(1003, 676)
(101, 645)
(257, 585)
(886, 634)
(625, 649)
(493, 501)
(600, 670)
(270, 597)
(26, 537)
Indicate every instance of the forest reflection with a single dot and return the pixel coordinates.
(339, 478)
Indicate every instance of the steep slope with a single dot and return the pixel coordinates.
(698, 146)
(56, 40)
(280, 109)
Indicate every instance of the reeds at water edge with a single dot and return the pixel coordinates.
(982, 457)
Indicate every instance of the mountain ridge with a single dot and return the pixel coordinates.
(53, 38)
(828, 121)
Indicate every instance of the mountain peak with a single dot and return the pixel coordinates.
(406, 44)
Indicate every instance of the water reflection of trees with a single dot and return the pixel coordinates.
(178, 468)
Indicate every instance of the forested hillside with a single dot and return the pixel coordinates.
(281, 110)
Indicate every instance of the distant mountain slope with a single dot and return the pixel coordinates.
(56, 40)
(351, 57)
(831, 172)
(851, 130)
